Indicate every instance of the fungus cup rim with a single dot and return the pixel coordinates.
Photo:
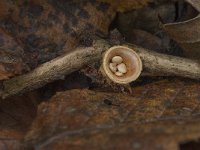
(122, 80)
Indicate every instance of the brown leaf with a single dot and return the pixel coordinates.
(187, 33)
(142, 26)
(16, 115)
(11, 62)
(47, 29)
(158, 115)
(126, 5)
(195, 4)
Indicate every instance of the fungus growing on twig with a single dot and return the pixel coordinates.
(121, 64)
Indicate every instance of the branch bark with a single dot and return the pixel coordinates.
(167, 65)
(153, 63)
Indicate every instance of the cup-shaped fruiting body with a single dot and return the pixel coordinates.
(121, 64)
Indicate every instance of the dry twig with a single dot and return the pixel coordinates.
(152, 63)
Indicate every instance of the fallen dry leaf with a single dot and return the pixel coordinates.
(11, 54)
(142, 27)
(187, 33)
(158, 115)
(195, 4)
(46, 29)
(16, 115)
(126, 5)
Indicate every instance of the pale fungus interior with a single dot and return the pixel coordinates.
(130, 59)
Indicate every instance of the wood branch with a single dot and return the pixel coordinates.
(53, 70)
(152, 63)
(167, 65)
